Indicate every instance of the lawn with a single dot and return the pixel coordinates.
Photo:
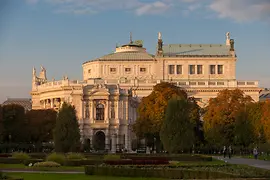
(45, 176)
(23, 167)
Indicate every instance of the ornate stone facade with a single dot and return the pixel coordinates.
(107, 98)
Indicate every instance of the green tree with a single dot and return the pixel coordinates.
(243, 130)
(177, 132)
(221, 114)
(66, 132)
(1, 125)
(152, 108)
(41, 123)
(14, 124)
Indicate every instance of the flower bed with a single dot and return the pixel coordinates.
(135, 162)
(143, 171)
(179, 172)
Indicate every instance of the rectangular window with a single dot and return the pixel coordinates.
(220, 69)
(212, 69)
(191, 69)
(112, 69)
(179, 69)
(142, 69)
(171, 69)
(199, 69)
(127, 69)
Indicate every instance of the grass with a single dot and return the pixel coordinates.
(23, 167)
(45, 176)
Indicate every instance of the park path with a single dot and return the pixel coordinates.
(251, 162)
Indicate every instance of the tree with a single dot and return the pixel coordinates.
(255, 114)
(1, 125)
(41, 123)
(243, 130)
(14, 124)
(265, 120)
(152, 108)
(66, 132)
(177, 132)
(221, 114)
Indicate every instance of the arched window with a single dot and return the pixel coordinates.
(100, 112)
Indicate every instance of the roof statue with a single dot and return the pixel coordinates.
(43, 69)
(159, 35)
(228, 35)
(34, 71)
(228, 38)
(130, 38)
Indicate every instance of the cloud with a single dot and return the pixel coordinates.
(237, 10)
(153, 8)
(242, 10)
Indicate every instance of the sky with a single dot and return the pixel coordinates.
(62, 34)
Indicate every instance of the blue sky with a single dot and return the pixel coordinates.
(62, 34)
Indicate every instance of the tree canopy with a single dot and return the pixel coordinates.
(177, 132)
(41, 123)
(66, 133)
(221, 115)
(152, 108)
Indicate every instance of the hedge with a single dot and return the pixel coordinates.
(171, 173)
(18, 161)
(82, 162)
(173, 157)
(136, 162)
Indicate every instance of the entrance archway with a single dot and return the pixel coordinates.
(99, 141)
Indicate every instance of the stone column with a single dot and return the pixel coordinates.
(91, 137)
(52, 102)
(113, 143)
(107, 139)
(44, 104)
(117, 139)
(91, 110)
(82, 110)
(106, 115)
(126, 108)
(126, 138)
(116, 110)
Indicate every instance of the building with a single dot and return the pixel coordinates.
(265, 95)
(24, 102)
(107, 97)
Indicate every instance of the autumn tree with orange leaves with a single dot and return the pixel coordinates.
(221, 116)
(152, 111)
(265, 120)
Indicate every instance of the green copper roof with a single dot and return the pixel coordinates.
(196, 50)
(126, 56)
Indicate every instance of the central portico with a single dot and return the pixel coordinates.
(106, 116)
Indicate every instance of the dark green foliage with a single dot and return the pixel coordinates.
(66, 132)
(243, 130)
(41, 124)
(14, 124)
(1, 125)
(177, 132)
(160, 172)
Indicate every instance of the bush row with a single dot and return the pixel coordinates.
(174, 173)
(135, 162)
(66, 162)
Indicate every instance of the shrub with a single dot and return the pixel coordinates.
(58, 158)
(31, 161)
(171, 173)
(20, 156)
(82, 162)
(112, 157)
(136, 162)
(75, 156)
(47, 164)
